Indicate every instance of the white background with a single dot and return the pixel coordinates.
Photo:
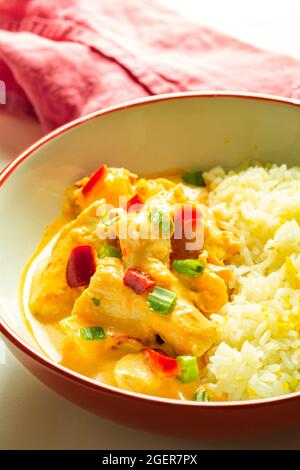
(33, 417)
(270, 24)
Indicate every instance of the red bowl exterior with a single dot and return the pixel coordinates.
(143, 412)
(166, 417)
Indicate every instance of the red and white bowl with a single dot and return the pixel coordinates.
(193, 130)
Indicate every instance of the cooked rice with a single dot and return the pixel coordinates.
(258, 351)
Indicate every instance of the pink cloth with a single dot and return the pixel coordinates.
(63, 59)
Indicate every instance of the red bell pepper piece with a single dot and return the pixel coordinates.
(81, 266)
(187, 214)
(188, 228)
(94, 178)
(188, 219)
(135, 203)
(138, 280)
(161, 363)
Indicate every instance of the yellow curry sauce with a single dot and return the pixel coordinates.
(141, 319)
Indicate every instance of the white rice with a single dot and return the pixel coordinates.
(258, 352)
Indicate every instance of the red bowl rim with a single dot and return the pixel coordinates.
(86, 381)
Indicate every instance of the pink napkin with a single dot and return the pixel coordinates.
(63, 59)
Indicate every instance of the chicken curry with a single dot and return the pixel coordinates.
(129, 300)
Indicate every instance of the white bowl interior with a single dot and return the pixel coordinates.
(190, 132)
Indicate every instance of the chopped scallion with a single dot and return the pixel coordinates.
(161, 220)
(201, 395)
(189, 368)
(107, 221)
(109, 250)
(190, 267)
(161, 300)
(92, 333)
(194, 177)
(156, 216)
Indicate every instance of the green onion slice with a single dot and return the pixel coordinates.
(156, 216)
(189, 368)
(161, 220)
(161, 300)
(190, 267)
(107, 221)
(108, 250)
(194, 177)
(201, 395)
(92, 333)
(96, 301)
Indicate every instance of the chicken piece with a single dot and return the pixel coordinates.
(148, 188)
(145, 240)
(86, 356)
(119, 307)
(208, 290)
(71, 327)
(153, 257)
(212, 292)
(116, 183)
(221, 245)
(141, 251)
(51, 298)
(224, 272)
(185, 329)
(186, 194)
(132, 373)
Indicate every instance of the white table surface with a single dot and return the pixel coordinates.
(34, 417)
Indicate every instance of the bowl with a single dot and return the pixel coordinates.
(190, 130)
